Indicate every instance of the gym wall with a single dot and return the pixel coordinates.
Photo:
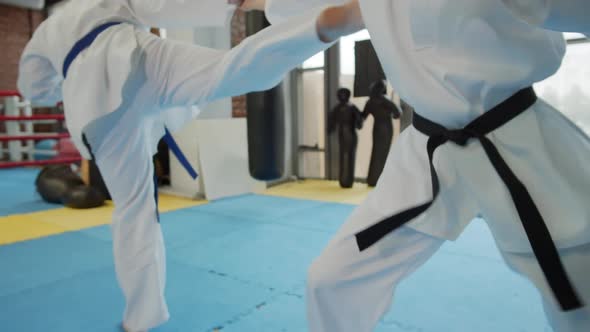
(16, 27)
(238, 33)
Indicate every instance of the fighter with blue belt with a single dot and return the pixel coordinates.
(123, 88)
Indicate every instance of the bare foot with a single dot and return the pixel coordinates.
(248, 5)
(128, 330)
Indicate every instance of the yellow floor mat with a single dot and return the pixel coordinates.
(35, 225)
(24, 227)
(321, 190)
(30, 226)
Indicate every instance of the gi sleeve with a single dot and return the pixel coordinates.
(278, 11)
(38, 80)
(182, 75)
(558, 15)
(181, 13)
(260, 62)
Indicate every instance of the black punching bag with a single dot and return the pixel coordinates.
(266, 122)
(368, 68)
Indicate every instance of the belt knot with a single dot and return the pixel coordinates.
(459, 136)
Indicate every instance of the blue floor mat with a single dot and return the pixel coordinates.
(35, 263)
(87, 301)
(274, 256)
(259, 207)
(17, 192)
(240, 264)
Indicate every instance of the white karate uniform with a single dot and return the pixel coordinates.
(123, 89)
(558, 15)
(453, 61)
(278, 11)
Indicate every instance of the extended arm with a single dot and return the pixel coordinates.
(367, 109)
(330, 23)
(191, 75)
(262, 60)
(182, 13)
(358, 118)
(278, 11)
(395, 113)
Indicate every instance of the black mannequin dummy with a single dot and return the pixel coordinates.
(347, 119)
(383, 110)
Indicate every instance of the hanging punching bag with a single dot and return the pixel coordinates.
(266, 122)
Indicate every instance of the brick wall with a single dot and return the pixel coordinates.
(238, 33)
(16, 27)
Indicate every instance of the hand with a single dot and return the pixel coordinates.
(248, 5)
(339, 21)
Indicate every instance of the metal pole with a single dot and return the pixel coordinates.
(332, 84)
(13, 128)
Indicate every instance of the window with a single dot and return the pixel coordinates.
(315, 61)
(311, 118)
(569, 89)
(347, 58)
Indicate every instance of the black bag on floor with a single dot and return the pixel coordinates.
(58, 184)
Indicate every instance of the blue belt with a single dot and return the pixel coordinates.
(83, 44)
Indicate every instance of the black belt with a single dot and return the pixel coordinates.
(537, 232)
(83, 44)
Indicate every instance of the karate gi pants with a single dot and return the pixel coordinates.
(123, 90)
(349, 290)
(123, 144)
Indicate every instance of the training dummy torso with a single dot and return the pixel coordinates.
(383, 111)
(346, 118)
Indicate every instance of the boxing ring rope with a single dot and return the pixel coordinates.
(15, 164)
(18, 114)
(36, 137)
(9, 93)
(37, 118)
